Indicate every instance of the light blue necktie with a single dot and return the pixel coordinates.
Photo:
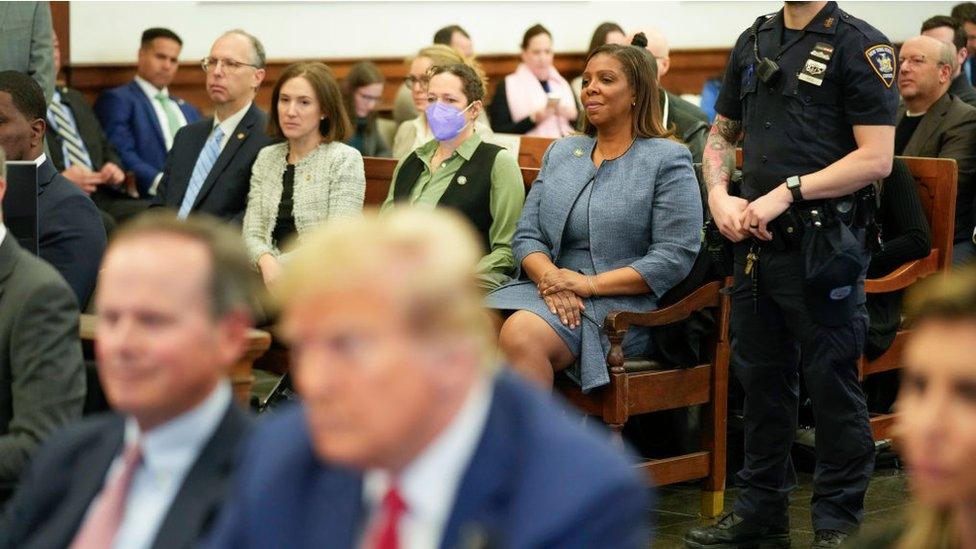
(209, 154)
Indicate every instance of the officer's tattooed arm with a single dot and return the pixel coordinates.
(718, 159)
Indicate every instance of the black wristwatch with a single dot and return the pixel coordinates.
(793, 184)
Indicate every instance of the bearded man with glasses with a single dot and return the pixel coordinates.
(209, 166)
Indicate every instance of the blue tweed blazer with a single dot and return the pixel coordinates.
(645, 213)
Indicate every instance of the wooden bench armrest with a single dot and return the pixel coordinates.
(617, 322)
(905, 275)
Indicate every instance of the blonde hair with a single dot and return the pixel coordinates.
(428, 257)
(441, 55)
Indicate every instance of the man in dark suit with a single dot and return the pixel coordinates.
(71, 236)
(932, 123)
(141, 118)
(409, 434)
(209, 168)
(966, 13)
(154, 472)
(949, 30)
(42, 376)
(81, 151)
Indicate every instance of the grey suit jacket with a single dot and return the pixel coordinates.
(961, 88)
(948, 130)
(42, 375)
(26, 42)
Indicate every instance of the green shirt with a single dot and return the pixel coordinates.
(507, 196)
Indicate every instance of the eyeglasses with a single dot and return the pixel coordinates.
(917, 60)
(412, 80)
(210, 63)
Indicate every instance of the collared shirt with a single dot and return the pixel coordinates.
(228, 126)
(72, 122)
(507, 197)
(151, 92)
(39, 160)
(429, 484)
(837, 73)
(3, 232)
(168, 453)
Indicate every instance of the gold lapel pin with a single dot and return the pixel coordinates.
(462, 180)
(578, 152)
(240, 135)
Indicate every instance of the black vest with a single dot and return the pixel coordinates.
(470, 196)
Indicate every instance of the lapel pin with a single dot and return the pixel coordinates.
(240, 135)
(828, 22)
(578, 152)
(462, 180)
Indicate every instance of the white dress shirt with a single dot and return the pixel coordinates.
(151, 92)
(228, 126)
(429, 484)
(3, 232)
(168, 453)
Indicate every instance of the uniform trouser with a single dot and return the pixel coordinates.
(769, 345)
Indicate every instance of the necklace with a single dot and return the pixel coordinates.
(619, 154)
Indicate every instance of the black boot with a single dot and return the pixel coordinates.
(733, 532)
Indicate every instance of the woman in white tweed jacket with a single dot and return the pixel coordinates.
(309, 178)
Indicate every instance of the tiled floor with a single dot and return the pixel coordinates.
(678, 507)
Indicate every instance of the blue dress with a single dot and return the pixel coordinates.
(641, 210)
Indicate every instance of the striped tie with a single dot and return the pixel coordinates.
(172, 116)
(209, 154)
(75, 151)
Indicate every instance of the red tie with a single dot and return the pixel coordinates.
(393, 509)
(99, 529)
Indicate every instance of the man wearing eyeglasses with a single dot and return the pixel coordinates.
(936, 124)
(209, 166)
(141, 118)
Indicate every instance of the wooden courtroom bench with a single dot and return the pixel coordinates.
(532, 149)
(241, 375)
(379, 175)
(639, 385)
(935, 181)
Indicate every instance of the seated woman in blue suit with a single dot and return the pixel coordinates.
(612, 222)
(308, 178)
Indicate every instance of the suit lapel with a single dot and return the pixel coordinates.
(45, 174)
(922, 143)
(484, 490)
(149, 111)
(564, 192)
(198, 500)
(334, 513)
(234, 142)
(91, 468)
(196, 139)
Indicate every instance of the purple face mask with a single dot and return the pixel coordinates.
(446, 122)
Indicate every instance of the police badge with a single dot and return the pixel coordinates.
(882, 59)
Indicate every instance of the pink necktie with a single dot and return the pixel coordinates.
(99, 529)
(387, 536)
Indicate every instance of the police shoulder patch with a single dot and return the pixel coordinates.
(882, 60)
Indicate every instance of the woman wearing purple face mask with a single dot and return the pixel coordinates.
(458, 170)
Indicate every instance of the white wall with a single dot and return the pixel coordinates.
(109, 31)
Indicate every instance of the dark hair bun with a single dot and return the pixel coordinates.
(639, 40)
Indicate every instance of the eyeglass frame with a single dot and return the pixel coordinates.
(229, 64)
(412, 80)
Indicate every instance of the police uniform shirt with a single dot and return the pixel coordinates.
(838, 72)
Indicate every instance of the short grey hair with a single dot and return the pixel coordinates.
(3, 163)
(259, 58)
(947, 55)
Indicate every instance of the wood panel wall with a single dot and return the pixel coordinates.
(689, 70)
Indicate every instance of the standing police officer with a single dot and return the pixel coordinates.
(809, 89)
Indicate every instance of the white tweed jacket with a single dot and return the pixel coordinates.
(329, 183)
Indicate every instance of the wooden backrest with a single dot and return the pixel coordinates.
(379, 174)
(532, 149)
(935, 181)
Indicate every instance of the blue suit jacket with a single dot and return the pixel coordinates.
(536, 479)
(130, 122)
(71, 236)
